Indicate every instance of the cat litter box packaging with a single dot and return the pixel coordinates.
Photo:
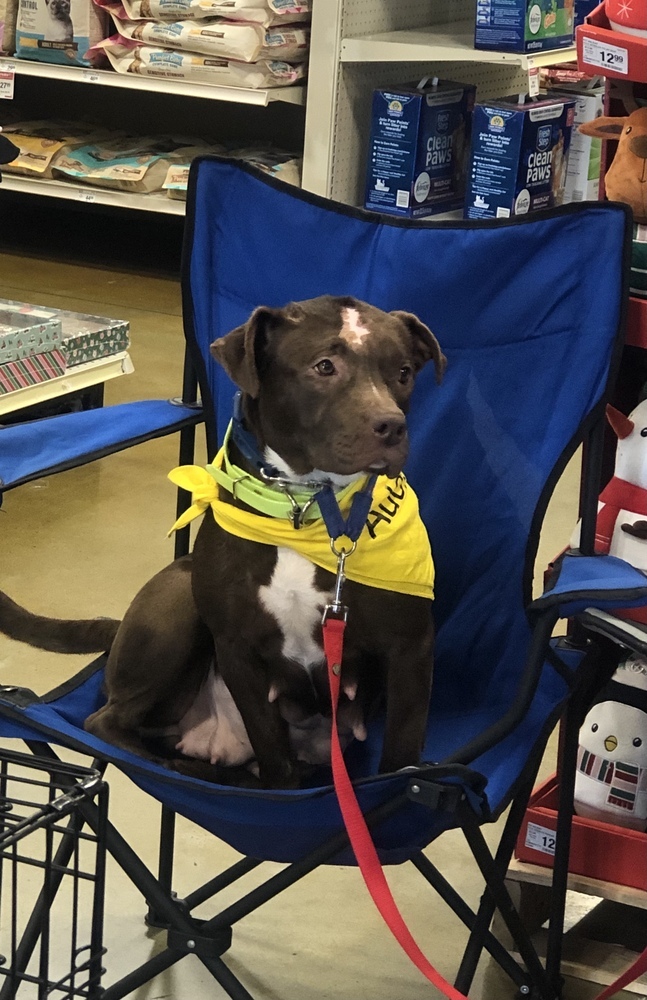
(585, 154)
(418, 146)
(27, 330)
(524, 25)
(213, 36)
(127, 163)
(519, 156)
(128, 56)
(59, 31)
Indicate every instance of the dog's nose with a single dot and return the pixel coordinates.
(390, 429)
(638, 146)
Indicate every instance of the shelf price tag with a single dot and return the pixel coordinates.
(90, 76)
(533, 81)
(612, 57)
(7, 76)
(87, 196)
(541, 839)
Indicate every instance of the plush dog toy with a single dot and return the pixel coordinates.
(626, 180)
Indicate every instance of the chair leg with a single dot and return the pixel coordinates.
(165, 867)
(487, 905)
(494, 879)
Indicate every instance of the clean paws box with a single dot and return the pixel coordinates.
(524, 25)
(519, 156)
(418, 149)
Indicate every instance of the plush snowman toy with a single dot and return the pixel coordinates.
(611, 780)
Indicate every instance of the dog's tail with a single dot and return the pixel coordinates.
(93, 635)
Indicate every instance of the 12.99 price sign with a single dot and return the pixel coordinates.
(610, 57)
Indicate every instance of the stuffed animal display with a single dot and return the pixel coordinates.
(626, 179)
(611, 779)
(627, 16)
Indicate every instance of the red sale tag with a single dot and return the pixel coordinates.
(6, 84)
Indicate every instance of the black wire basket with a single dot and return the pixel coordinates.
(52, 878)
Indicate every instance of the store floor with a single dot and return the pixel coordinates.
(81, 544)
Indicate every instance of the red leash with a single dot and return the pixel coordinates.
(358, 833)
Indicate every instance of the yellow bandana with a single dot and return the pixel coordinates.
(393, 551)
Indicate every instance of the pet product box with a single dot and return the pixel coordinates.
(524, 25)
(418, 148)
(584, 169)
(519, 156)
(598, 850)
(27, 330)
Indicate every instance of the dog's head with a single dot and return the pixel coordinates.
(327, 382)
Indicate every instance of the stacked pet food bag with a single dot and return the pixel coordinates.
(38, 344)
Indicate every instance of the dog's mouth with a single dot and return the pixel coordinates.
(388, 469)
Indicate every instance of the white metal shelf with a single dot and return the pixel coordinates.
(451, 42)
(92, 195)
(128, 81)
(75, 378)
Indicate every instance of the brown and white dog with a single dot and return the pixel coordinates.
(221, 651)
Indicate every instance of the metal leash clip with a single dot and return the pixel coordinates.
(297, 513)
(336, 609)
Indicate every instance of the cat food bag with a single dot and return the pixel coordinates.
(263, 12)
(176, 181)
(128, 56)
(41, 142)
(128, 163)
(8, 17)
(213, 36)
(59, 31)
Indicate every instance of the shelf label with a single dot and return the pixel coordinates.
(7, 76)
(533, 81)
(90, 76)
(87, 196)
(606, 56)
(540, 838)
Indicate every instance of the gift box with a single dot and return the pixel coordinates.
(600, 49)
(26, 330)
(598, 850)
(31, 370)
(87, 338)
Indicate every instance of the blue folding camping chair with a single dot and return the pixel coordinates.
(533, 335)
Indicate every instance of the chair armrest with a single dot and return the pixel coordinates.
(631, 635)
(582, 582)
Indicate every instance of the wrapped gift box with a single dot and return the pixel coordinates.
(31, 370)
(26, 330)
(598, 850)
(87, 338)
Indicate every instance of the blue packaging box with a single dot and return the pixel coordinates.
(524, 25)
(519, 156)
(418, 150)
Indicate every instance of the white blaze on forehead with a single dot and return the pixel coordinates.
(353, 330)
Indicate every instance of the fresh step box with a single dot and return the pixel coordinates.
(519, 156)
(418, 149)
(585, 154)
(524, 25)
(26, 330)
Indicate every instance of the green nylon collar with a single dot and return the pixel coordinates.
(294, 504)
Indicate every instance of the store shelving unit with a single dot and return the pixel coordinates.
(90, 195)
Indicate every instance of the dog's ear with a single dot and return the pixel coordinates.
(239, 351)
(425, 346)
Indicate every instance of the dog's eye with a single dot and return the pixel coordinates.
(325, 367)
(405, 374)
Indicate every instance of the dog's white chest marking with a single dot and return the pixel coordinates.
(293, 600)
(353, 330)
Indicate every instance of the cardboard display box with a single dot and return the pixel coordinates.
(524, 25)
(598, 850)
(602, 50)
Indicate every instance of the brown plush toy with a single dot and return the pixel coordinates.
(626, 180)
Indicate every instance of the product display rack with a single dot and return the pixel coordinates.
(356, 45)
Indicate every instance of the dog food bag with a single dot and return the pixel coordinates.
(128, 56)
(40, 144)
(128, 163)
(272, 12)
(585, 154)
(524, 25)
(59, 31)
(8, 18)
(213, 36)
(176, 181)
(519, 156)
(418, 148)
(284, 166)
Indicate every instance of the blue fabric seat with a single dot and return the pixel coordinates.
(533, 334)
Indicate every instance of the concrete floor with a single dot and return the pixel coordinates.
(81, 544)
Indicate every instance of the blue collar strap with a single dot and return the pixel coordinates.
(247, 443)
